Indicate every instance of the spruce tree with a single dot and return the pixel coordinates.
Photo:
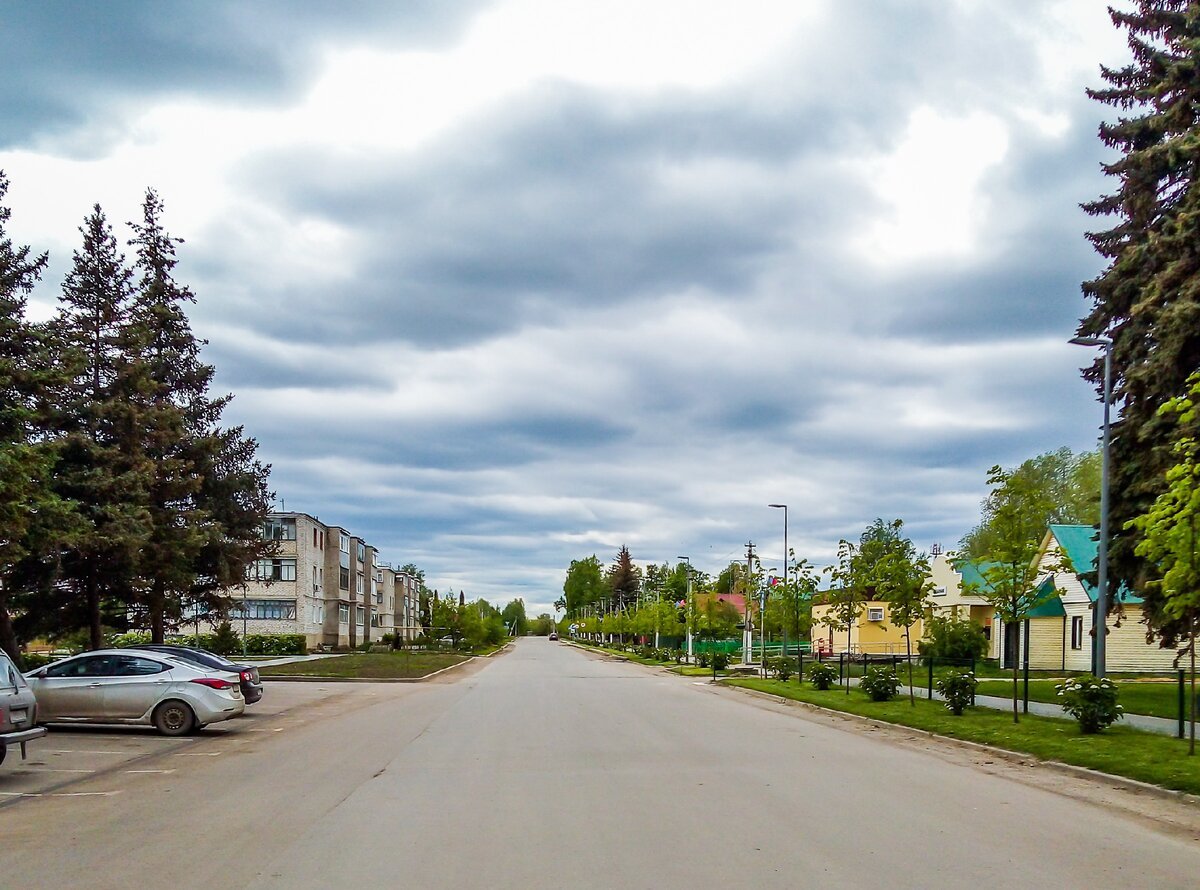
(103, 466)
(624, 578)
(26, 454)
(1148, 297)
(207, 495)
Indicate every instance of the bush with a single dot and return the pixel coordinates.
(958, 688)
(782, 667)
(720, 661)
(881, 683)
(226, 640)
(952, 639)
(822, 675)
(31, 661)
(680, 656)
(702, 659)
(1091, 701)
(127, 640)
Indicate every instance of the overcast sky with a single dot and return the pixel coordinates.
(504, 284)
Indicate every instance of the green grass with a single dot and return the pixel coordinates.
(369, 666)
(1147, 757)
(1137, 697)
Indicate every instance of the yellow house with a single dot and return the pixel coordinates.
(873, 633)
(954, 586)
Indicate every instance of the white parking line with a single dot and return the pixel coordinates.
(87, 752)
(82, 793)
(145, 771)
(51, 769)
(200, 754)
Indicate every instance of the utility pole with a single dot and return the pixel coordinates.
(748, 631)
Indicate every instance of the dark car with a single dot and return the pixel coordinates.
(18, 709)
(252, 686)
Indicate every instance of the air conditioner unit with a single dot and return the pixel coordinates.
(939, 591)
(875, 613)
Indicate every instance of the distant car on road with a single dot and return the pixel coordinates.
(174, 696)
(18, 709)
(553, 635)
(252, 685)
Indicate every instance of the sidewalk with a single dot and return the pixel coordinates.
(291, 659)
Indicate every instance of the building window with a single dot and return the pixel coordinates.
(1076, 631)
(362, 552)
(266, 610)
(374, 620)
(274, 570)
(316, 613)
(343, 613)
(344, 543)
(279, 530)
(360, 616)
(875, 613)
(344, 577)
(358, 583)
(314, 537)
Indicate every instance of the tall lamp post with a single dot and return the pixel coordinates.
(1100, 623)
(783, 507)
(689, 606)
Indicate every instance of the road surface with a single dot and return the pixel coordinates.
(551, 767)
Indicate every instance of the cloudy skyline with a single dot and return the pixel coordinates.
(504, 284)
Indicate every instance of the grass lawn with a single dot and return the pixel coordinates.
(1137, 697)
(1157, 759)
(371, 666)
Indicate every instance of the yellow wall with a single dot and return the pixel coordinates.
(872, 637)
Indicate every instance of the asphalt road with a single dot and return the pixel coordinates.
(552, 767)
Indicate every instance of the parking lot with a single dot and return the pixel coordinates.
(70, 756)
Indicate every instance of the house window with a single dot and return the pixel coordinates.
(266, 610)
(939, 591)
(343, 613)
(279, 530)
(1076, 631)
(875, 613)
(360, 616)
(274, 570)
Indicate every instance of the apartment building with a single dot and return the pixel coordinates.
(323, 582)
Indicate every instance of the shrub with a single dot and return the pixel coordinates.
(226, 640)
(1091, 701)
(720, 661)
(782, 666)
(127, 640)
(958, 639)
(822, 675)
(702, 659)
(680, 656)
(31, 661)
(881, 683)
(958, 688)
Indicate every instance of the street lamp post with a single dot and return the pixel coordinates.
(689, 607)
(1100, 622)
(784, 508)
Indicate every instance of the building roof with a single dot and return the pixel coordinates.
(973, 574)
(1081, 545)
(1051, 606)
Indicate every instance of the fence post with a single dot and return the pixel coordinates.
(843, 678)
(1025, 705)
(931, 678)
(800, 672)
(972, 674)
(1182, 706)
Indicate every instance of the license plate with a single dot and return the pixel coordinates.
(19, 715)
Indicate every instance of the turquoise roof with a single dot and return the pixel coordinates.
(972, 575)
(1051, 606)
(1081, 545)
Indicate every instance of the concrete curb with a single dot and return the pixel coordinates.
(1006, 753)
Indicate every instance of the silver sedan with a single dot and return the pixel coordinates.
(122, 686)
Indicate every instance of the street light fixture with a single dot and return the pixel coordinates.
(784, 508)
(689, 607)
(1100, 623)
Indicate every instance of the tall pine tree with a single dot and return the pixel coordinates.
(208, 493)
(1148, 298)
(27, 454)
(103, 466)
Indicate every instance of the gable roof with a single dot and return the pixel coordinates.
(973, 576)
(1052, 605)
(1081, 545)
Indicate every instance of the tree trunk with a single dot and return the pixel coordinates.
(95, 627)
(912, 695)
(1192, 729)
(1016, 661)
(158, 602)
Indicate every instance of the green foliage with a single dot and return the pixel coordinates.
(127, 640)
(624, 579)
(1091, 701)
(541, 626)
(720, 661)
(782, 667)
(1055, 487)
(958, 689)
(822, 675)
(514, 617)
(225, 641)
(703, 658)
(880, 683)
(1148, 297)
(584, 585)
(31, 661)
(952, 639)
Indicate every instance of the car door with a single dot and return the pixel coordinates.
(134, 686)
(73, 689)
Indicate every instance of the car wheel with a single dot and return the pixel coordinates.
(174, 718)
(3, 751)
